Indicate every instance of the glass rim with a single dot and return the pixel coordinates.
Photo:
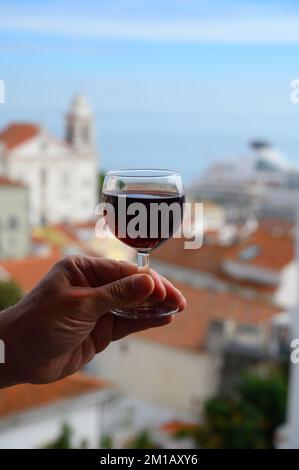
(142, 173)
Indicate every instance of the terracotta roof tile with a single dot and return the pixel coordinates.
(273, 225)
(28, 271)
(208, 258)
(4, 181)
(189, 329)
(67, 230)
(72, 237)
(275, 252)
(27, 396)
(175, 427)
(17, 133)
(88, 224)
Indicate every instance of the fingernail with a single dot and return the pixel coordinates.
(142, 284)
(163, 289)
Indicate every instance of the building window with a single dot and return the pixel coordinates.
(216, 327)
(13, 222)
(43, 176)
(215, 336)
(43, 219)
(85, 133)
(65, 185)
(43, 145)
(249, 253)
(247, 329)
(65, 219)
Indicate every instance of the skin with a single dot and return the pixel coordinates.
(66, 319)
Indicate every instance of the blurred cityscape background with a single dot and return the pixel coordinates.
(195, 86)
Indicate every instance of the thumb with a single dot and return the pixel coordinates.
(124, 292)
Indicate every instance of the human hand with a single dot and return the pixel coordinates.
(66, 319)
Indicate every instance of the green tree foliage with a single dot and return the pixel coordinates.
(63, 440)
(101, 178)
(142, 440)
(248, 419)
(267, 394)
(10, 294)
(106, 442)
(231, 424)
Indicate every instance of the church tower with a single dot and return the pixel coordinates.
(79, 125)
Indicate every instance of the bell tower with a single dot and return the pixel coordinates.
(79, 125)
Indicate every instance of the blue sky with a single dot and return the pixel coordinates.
(172, 82)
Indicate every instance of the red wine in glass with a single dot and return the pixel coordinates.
(143, 208)
(173, 209)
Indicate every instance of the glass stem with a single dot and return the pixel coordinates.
(143, 262)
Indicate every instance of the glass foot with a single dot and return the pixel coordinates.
(147, 309)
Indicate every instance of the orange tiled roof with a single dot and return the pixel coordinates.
(88, 224)
(189, 329)
(258, 287)
(4, 181)
(17, 133)
(37, 239)
(67, 230)
(273, 225)
(174, 427)
(275, 252)
(208, 258)
(28, 271)
(27, 396)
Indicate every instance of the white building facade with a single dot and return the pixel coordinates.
(61, 175)
(261, 181)
(14, 226)
(176, 377)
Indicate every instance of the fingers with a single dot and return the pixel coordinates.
(98, 271)
(173, 295)
(101, 271)
(129, 290)
(159, 292)
(112, 284)
(102, 332)
(124, 292)
(165, 290)
(109, 270)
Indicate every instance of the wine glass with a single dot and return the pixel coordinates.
(143, 208)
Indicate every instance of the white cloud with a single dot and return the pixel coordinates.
(139, 20)
(234, 30)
